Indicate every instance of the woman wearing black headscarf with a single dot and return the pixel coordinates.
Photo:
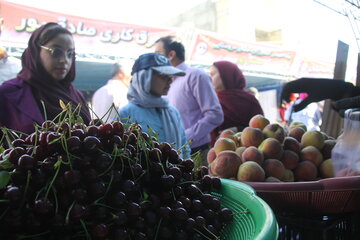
(48, 70)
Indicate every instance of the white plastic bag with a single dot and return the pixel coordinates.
(346, 153)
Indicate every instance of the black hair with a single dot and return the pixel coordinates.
(170, 44)
(51, 32)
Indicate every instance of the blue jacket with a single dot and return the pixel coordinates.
(150, 117)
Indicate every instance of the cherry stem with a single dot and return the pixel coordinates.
(4, 213)
(199, 232)
(157, 229)
(112, 162)
(64, 144)
(109, 185)
(26, 188)
(83, 224)
(68, 213)
(184, 146)
(53, 179)
(33, 236)
(210, 232)
(56, 200)
(186, 182)
(96, 203)
(44, 109)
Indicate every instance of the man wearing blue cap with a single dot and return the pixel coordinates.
(151, 78)
(194, 97)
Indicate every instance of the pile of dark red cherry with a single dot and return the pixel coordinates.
(103, 181)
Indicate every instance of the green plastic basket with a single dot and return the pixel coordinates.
(253, 218)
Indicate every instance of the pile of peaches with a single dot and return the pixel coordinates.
(269, 152)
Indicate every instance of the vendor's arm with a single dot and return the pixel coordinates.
(318, 89)
(343, 104)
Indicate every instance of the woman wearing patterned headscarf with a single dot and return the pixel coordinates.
(151, 78)
(48, 70)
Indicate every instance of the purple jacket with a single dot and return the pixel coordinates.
(196, 100)
(18, 108)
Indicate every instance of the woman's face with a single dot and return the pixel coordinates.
(57, 56)
(216, 79)
(160, 84)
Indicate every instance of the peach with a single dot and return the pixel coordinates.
(272, 179)
(238, 139)
(223, 144)
(297, 133)
(327, 148)
(274, 130)
(238, 134)
(239, 151)
(298, 124)
(288, 176)
(274, 168)
(305, 171)
(226, 164)
(313, 138)
(211, 155)
(252, 154)
(251, 172)
(292, 144)
(258, 121)
(271, 148)
(228, 133)
(312, 154)
(290, 159)
(326, 169)
(251, 137)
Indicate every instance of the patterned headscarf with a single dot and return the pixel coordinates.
(44, 87)
(139, 93)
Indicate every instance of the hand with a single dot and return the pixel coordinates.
(318, 89)
(342, 105)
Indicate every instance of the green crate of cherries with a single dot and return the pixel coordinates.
(67, 180)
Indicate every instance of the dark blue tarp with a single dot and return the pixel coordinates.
(92, 75)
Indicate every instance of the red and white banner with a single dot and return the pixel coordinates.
(318, 69)
(249, 56)
(124, 40)
(91, 35)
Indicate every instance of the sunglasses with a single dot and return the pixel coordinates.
(57, 52)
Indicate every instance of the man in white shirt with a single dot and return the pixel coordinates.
(9, 66)
(112, 96)
(311, 115)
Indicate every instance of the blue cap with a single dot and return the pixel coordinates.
(156, 62)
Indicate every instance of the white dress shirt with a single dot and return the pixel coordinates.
(9, 68)
(114, 92)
